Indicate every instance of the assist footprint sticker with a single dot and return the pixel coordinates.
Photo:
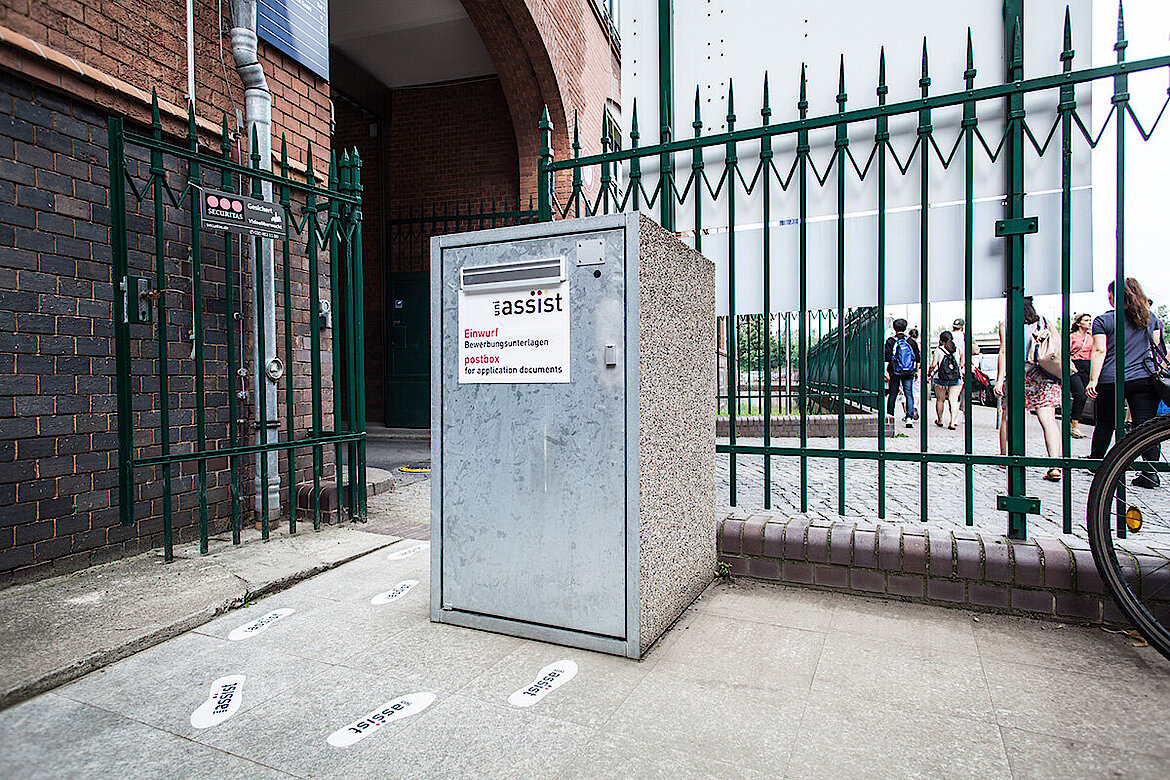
(260, 624)
(550, 677)
(389, 712)
(395, 593)
(224, 701)
(406, 553)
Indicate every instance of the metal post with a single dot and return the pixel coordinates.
(666, 108)
(118, 252)
(1014, 322)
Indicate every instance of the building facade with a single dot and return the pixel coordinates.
(439, 129)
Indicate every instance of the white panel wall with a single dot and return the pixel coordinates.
(717, 41)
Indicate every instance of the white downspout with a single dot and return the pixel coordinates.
(258, 114)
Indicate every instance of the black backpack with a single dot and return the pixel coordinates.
(948, 369)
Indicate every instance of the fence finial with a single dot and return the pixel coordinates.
(924, 82)
(766, 111)
(155, 118)
(634, 134)
(802, 104)
(730, 104)
(698, 123)
(841, 96)
(1119, 47)
(192, 138)
(882, 88)
(225, 138)
(283, 155)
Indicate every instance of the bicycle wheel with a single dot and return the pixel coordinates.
(1129, 528)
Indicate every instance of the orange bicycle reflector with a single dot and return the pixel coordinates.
(1133, 518)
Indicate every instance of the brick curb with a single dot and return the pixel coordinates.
(1041, 577)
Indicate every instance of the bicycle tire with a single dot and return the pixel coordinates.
(1141, 588)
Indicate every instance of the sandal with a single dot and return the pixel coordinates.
(952, 427)
(1053, 475)
(1076, 434)
(938, 423)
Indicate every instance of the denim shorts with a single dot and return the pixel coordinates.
(937, 383)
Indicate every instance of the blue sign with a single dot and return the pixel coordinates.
(299, 28)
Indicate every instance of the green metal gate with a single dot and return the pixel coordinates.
(187, 389)
(863, 151)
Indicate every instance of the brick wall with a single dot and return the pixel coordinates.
(144, 43)
(58, 427)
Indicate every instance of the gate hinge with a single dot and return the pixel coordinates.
(1016, 227)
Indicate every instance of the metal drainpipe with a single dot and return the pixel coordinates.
(258, 114)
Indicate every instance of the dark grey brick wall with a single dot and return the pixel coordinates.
(58, 423)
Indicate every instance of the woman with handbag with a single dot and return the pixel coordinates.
(1143, 336)
(1080, 343)
(1041, 380)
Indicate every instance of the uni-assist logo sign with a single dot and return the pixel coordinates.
(260, 624)
(514, 337)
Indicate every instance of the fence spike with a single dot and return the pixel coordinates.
(283, 156)
(924, 82)
(155, 118)
(191, 133)
(730, 103)
(766, 111)
(333, 169)
(576, 138)
(255, 148)
(841, 96)
(969, 74)
(1017, 63)
(802, 103)
(356, 178)
(225, 139)
(310, 174)
(698, 123)
(1119, 47)
(1068, 52)
(882, 87)
(634, 134)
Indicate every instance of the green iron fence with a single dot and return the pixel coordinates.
(933, 151)
(181, 320)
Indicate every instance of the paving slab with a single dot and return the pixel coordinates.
(58, 629)
(730, 691)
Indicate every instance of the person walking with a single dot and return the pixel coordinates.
(946, 369)
(1142, 330)
(1041, 392)
(957, 328)
(1080, 350)
(902, 359)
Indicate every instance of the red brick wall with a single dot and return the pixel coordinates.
(144, 43)
(58, 427)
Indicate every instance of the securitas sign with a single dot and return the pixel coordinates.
(237, 214)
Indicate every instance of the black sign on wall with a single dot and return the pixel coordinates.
(299, 28)
(238, 214)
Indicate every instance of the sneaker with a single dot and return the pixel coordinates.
(914, 416)
(909, 424)
(1146, 480)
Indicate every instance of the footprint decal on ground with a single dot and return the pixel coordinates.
(226, 696)
(409, 551)
(260, 624)
(550, 677)
(389, 712)
(395, 593)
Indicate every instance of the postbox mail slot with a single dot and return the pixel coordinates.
(503, 276)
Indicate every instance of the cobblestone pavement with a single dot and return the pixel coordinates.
(946, 500)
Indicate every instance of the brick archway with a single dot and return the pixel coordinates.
(539, 64)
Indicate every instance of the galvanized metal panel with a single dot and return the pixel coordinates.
(531, 492)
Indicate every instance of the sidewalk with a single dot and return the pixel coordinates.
(755, 681)
(58, 629)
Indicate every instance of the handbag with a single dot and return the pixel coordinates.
(1046, 353)
(1160, 366)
